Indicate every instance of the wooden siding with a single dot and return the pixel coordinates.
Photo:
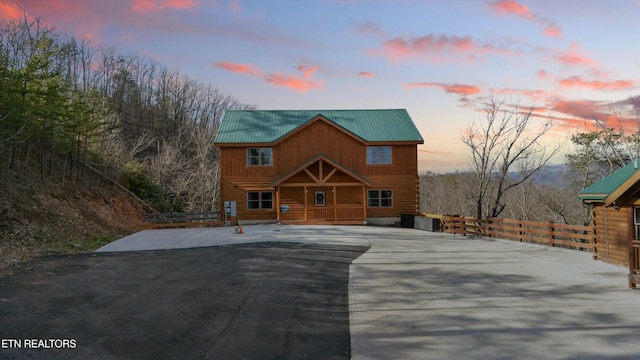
(320, 138)
(611, 232)
(404, 196)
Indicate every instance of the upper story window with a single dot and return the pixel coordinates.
(378, 155)
(259, 156)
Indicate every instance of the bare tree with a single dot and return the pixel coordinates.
(503, 143)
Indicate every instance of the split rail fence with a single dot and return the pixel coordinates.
(575, 237)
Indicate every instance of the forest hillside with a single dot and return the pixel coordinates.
(91, 138)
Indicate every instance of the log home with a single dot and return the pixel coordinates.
(328, 166)
(615, 218)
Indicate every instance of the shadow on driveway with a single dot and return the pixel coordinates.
(266, 301)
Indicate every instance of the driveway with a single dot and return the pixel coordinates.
(411, 295)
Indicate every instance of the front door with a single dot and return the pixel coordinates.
(321, 198)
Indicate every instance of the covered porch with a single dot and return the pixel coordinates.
(320, 191)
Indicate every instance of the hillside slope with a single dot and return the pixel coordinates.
(39, 217)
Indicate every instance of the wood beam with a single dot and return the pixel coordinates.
(311, 175)
(364, 201)
(631, 235)
(330, 175)
(316, 184)
(278, 203)
(335, 203)
(305, 204)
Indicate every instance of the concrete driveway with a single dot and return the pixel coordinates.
(423, 295)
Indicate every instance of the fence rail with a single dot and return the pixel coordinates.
(182, 219)
(548, 233)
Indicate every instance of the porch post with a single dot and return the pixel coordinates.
(335, 203)
(364, 202)
(278, 203)
(305, 203)
(631, 235)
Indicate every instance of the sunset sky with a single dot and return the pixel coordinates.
(439, 60)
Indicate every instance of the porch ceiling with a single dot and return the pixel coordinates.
(320, 178)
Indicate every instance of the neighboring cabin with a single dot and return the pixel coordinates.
(329, 166)
(615, 217)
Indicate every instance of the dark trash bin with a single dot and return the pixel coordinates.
(406, 220)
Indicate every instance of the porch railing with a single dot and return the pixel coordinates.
(329, 213)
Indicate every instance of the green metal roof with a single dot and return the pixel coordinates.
(601, 190)
(265, 126)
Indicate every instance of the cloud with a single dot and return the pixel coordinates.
(543, 74)
(294, 82)
(579, 110)
(307, 71)
(429, 44)
(573, 57)
(369, 28)
(437, 48)
(142, 6)
(239, 68)
(10, 11)
(365, 74)
(510, 7)
(235, 7)
(513, 8)
(578, 82)
(459, 89)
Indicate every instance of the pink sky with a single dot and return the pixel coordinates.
(573, 60)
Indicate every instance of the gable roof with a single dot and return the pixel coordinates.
(267, 126)
(609, 189)
(314, 159)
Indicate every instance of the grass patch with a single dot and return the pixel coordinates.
(82, 244)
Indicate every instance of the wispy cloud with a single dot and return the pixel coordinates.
(239, 68)
(365, 74)
(10, 11)
(459, 89)
(438, 48)
(307, 71)
(574, 56)
(299, 83)
(293, 82)
(370, 28)
(142, 6)
(514, 8)
(578, 82)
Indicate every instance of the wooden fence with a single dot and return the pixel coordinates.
(176, 220)
(548, 233)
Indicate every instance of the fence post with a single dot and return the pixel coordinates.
(520, 230)
(551, 234)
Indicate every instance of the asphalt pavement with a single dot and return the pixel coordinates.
(411, 295)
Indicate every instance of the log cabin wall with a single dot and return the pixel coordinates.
(611, 231)
(320, 137)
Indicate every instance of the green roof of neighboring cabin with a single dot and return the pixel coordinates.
(609, 189)
(265, 126)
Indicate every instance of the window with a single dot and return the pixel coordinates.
(259, 156)
(379, 198)
(378, 155)
(260, 200)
